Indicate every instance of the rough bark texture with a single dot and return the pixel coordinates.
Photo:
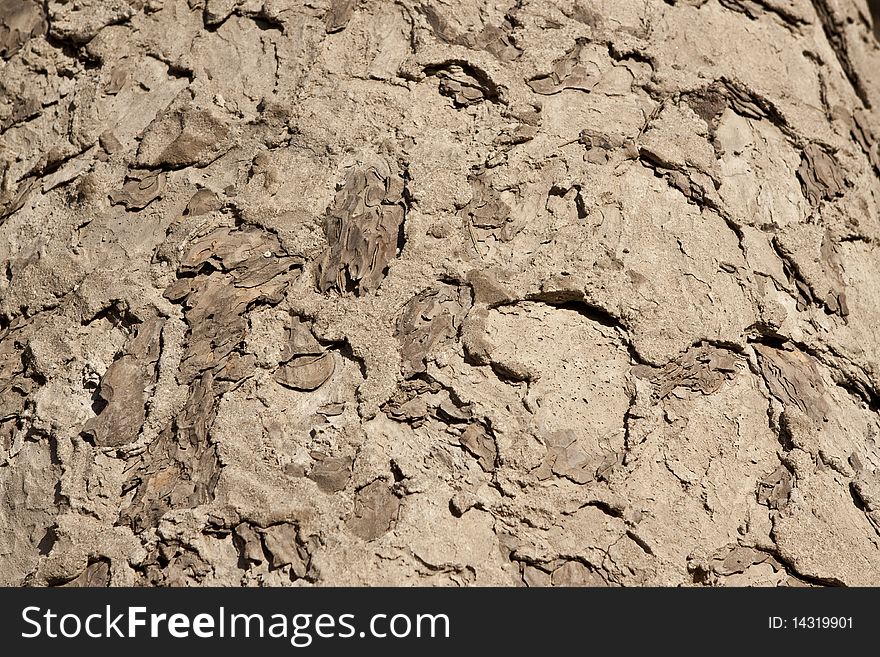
(544, 292)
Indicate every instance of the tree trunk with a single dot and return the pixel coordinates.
(545, 292)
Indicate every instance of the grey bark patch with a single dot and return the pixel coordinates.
(306, 372)
(109, 142)
(422, 397)
(567, 458)
(865, 136)
(574, 573)
(494, 38)
(487, 213)
(866, 489)
(202, 202)
(734, 559)
(461, 87)
(14, 197)
(535, 577)
(173, 564)
(304, 365)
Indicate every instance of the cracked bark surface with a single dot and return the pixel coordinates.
(517, 293)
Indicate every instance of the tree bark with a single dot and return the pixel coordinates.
(570, 292)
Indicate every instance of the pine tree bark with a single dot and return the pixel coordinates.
(579, 292)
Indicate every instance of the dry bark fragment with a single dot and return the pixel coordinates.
(788, 11)
(96, 574)
(775, 489)
(599, 145)
(185, 566)
(184, 137)
(835, 299)
(865, 136)
(535, 577)
(340, 13)
(281, 542)
(793, 378)
(227, 248)
(172, 564)
(237, 268)
(574, 573)
(567, 73)
(375, 510)
(19, 21)
(866, 488)
(743, 101)
(305, 365)
(179, 468)
(13, 197)
(413, 411)
(249, 545)
(362, 227)
(452, 410)
(497, 40)
(118, 77)
(487, 211)
(331, 473)
(123, 389)
(300, 341)
(410, 402)
(202, 202)
(332, 409)
(428, 319)
(566, 458)
(139, 190)
(821, 179)
(701, 369)
(479, 442)
(306, 372)
(109, 142)
(734, 559)
(15, 386)
(217, 11)
(462, 88)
